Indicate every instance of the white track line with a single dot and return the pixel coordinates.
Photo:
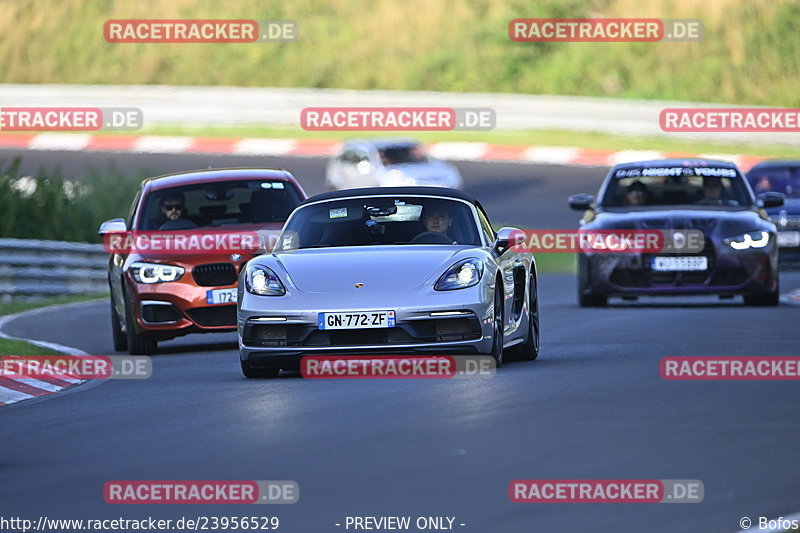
(9, 396)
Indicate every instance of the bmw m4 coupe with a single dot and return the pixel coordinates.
(739, 252)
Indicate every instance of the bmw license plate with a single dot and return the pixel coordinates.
(221, 296)
(789, 239)
(680, 264)
(356, 320)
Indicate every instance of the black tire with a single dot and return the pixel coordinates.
(764, 299)
(251, 371)
(585, 297)
(498, 326)
(592, 300)
(529, 350)
(117, 335)
(137, 344)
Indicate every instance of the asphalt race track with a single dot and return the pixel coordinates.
(591, 407)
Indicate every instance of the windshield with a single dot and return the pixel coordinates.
(661, 186)
(219, 204)
(398, 155)
(784, 180)
(373, 221)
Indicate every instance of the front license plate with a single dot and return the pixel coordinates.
(789, 239)
(356, 320)
(221, 296)
(680, 264)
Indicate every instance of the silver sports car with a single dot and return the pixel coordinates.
(388, 163)
(387, 271)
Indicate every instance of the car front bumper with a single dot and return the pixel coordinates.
(728, 273)
(278, 330)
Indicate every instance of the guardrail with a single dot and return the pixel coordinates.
(198, 106)
(32, 268)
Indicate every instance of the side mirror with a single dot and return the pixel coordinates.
(581, 202)
(771, 199)
(115, 225)
(503, 240)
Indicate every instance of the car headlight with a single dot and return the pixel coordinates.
(463, 274)
(751, 239)
(263, 281)
(150, 273)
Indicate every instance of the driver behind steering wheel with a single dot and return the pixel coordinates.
(436, 220)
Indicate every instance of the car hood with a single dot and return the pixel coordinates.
(378, 268)
(430, 173)
(719, 222)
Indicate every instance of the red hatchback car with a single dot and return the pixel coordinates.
(160, 291)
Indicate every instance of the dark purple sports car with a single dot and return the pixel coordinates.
(739, 252)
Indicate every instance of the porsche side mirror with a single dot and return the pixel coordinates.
(771, 199)
(504, 239)
(581, 202)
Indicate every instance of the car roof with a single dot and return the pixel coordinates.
(394, 191)
(217, 174)
(383, 143)
(776, 163)
(655, 163)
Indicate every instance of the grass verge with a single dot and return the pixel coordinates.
(556, 263)
(12, 347)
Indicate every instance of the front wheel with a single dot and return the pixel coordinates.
(117, 335)
(585, 297)
(137, 344)
(763, 299)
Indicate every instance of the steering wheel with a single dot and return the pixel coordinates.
(432, 237)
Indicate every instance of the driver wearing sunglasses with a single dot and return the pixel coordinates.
(173, 207)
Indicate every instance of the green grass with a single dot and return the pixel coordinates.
(590, 140)
(748, 54)
(556, 263)
(57, 209)
(12, 347)
(10, 308)
(9, 347)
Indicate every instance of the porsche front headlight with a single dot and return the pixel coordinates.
(463, 274)
(746, 241)
(263, 281)
(150, 273)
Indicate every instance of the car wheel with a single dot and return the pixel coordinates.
(137, 344)
(592, 300)
(497, 327)
(251, 371)
(117, 335)
(585, 297)
(763, 299)
(529, 350)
